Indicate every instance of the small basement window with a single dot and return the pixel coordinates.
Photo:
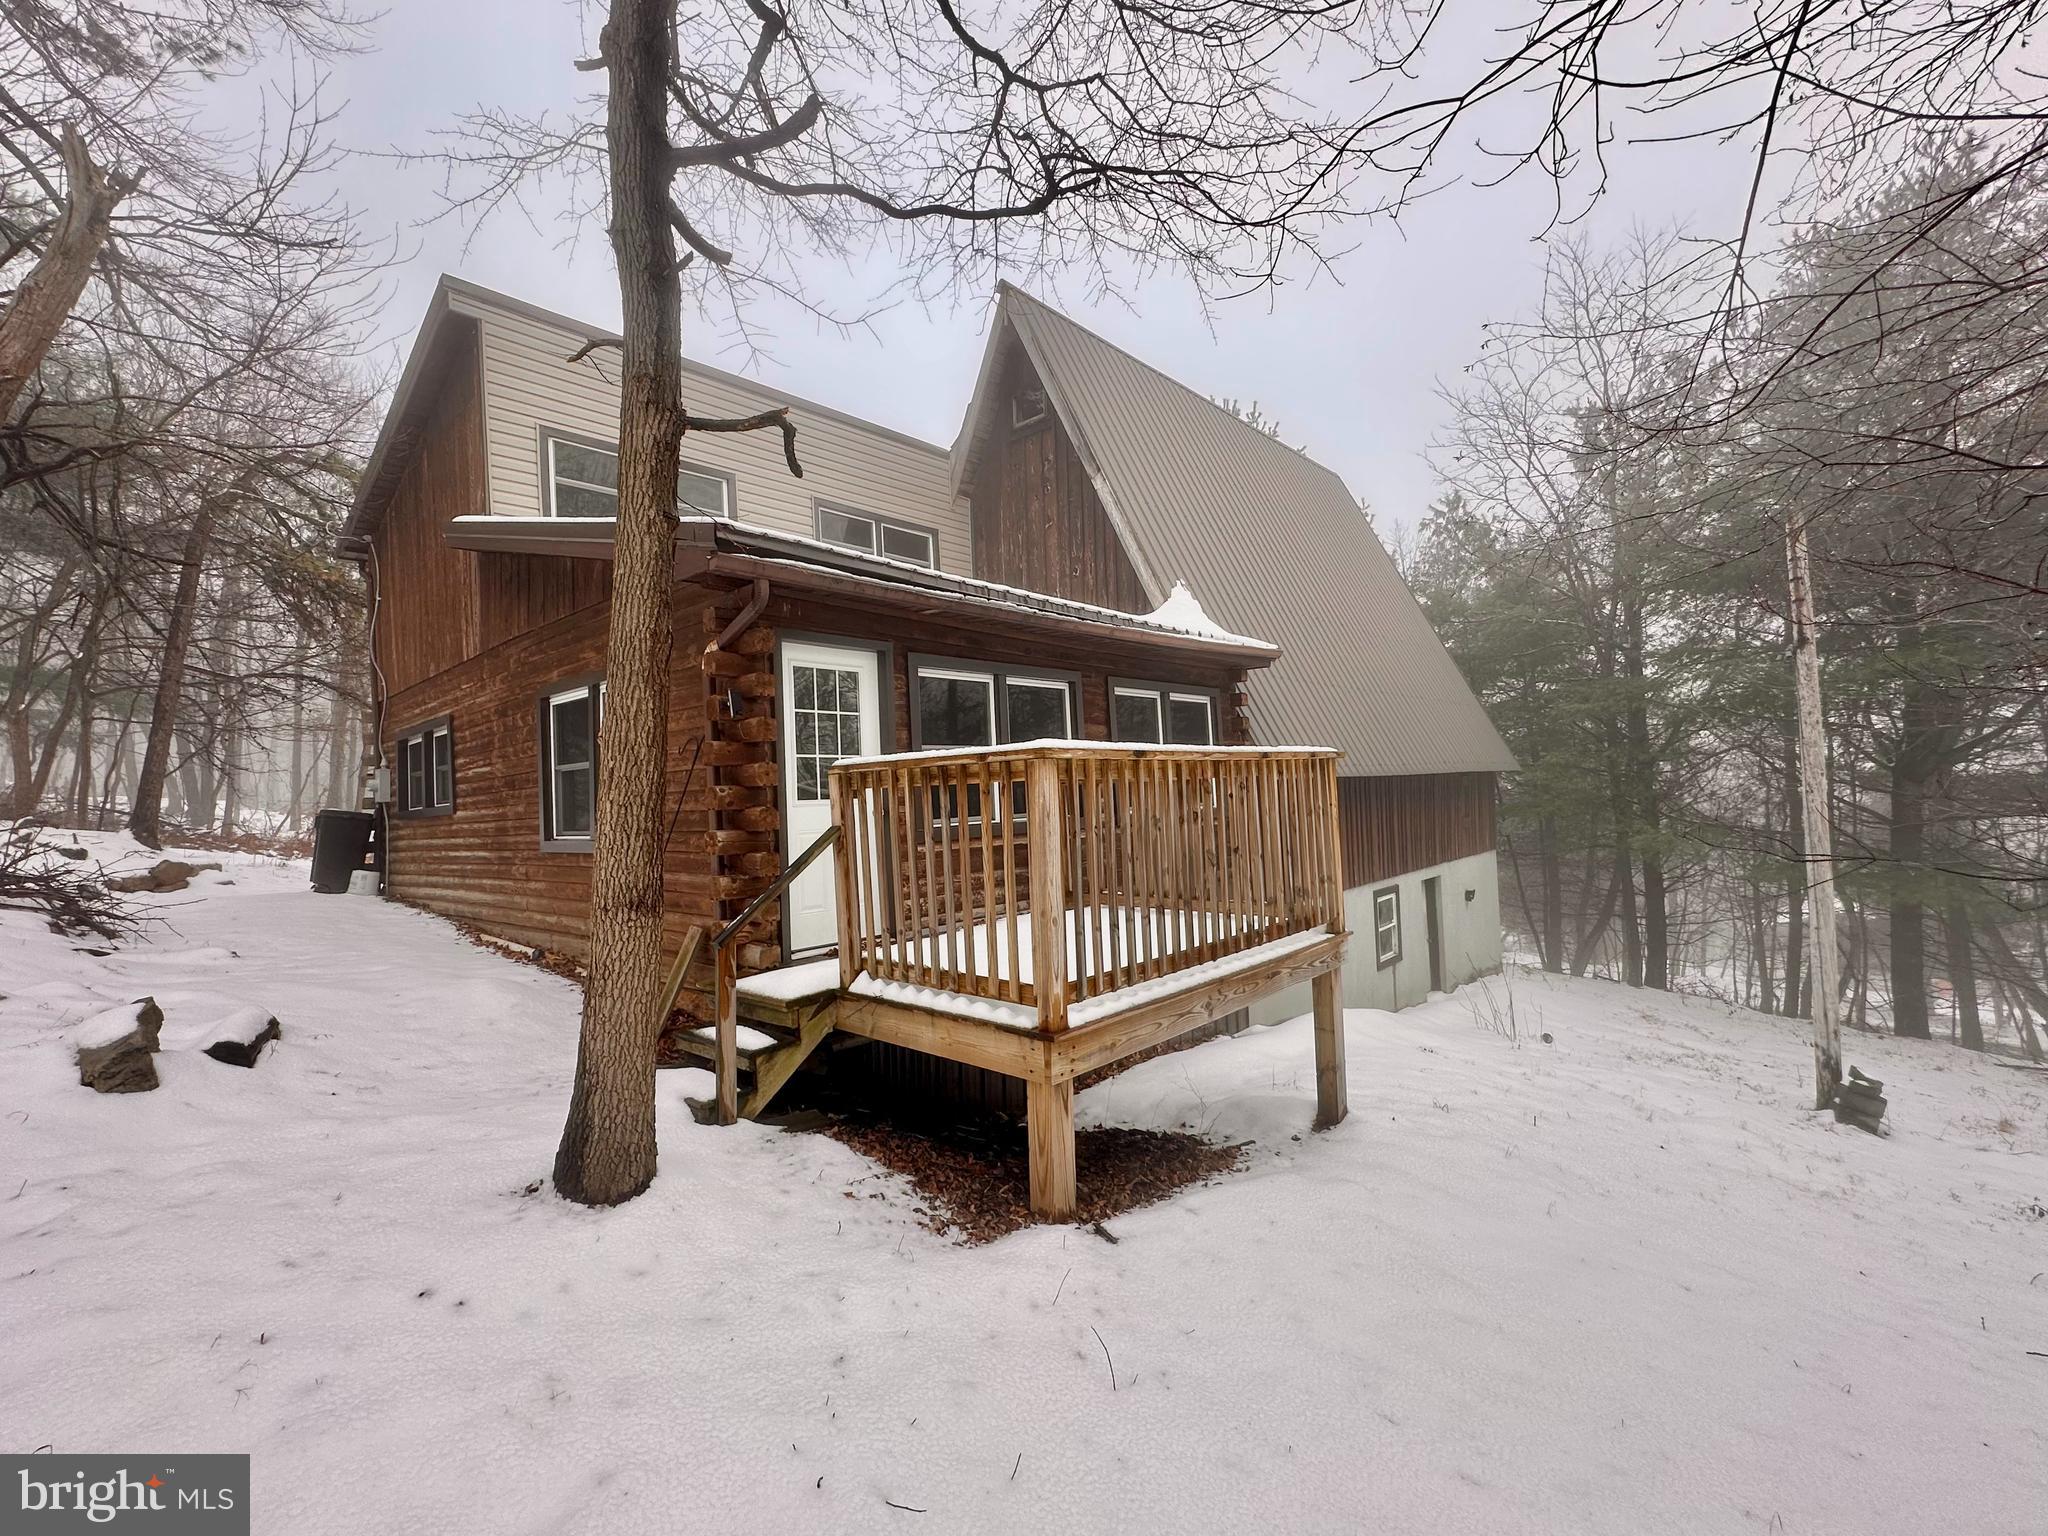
(1386, 926)
(877, 536)
(426, 769)
(1182, 717)
(569, 721)
(580, 478)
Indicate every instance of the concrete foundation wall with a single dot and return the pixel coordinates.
(1471, 940)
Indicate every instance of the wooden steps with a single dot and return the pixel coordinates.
(776, 1039)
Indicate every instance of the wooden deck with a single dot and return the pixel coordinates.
(1117, 898)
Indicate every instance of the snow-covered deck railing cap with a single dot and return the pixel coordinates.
(1052, 747)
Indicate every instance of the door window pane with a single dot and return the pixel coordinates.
(1136, 715)
(826, 716)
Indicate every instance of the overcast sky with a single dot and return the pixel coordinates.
(1349, 364)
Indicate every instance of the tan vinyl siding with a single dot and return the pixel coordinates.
(530, 384)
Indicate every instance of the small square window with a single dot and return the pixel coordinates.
(1027, 408)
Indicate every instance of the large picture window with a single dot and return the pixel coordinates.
(970, 704)
(581, 479)
(877, 535)
(1161, 712)
(569, 721)
(426, 769)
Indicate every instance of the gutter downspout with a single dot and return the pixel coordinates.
(745, 617)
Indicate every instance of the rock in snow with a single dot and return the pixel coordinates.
(115, 1047)
(240, 1037)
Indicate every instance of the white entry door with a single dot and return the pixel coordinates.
(831, 708)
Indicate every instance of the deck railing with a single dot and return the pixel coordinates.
(1041, 876)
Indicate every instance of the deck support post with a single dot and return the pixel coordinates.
(1049, 1121)
(726, 997)
(1331, 1096)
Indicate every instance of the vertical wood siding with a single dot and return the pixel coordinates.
(1390, 826)
(1038, 523)
(529, 383)
(426, 591)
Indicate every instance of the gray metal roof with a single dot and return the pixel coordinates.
(1270, 542)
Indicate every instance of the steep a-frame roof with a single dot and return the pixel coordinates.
(1269, 541)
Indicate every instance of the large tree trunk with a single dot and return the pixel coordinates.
(1814, 807)
(1646, 811)
(1795, 880)
(607, 1153)
(50, 291)
(1551, 875)
(145, 816)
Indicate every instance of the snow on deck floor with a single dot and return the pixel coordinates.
(1623, 1283)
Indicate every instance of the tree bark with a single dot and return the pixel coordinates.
(145, 816)
(1814, 803)
(1551, 876)
(607, 1153)
(50, 291)
(1908, 849)
(1962, 977)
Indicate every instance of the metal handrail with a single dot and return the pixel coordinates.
(725, 978)
(780, 884)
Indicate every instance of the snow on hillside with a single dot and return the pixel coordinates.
(1622, 1282)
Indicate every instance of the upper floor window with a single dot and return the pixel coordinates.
(878, 535)
(1184, 717)
(581, 478)
(426, 769)
(1027, 408)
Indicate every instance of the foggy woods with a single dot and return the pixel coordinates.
(1607, 566)
(185, 415)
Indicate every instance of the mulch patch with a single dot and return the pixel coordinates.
(973, 1178)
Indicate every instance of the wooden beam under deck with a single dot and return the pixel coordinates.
(1049, 1061)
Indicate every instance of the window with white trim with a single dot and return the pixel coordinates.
(426, 769)
(1183, 717)
(569, 722)
(959, 704)
(1386, 926)
(581, 478)
(877, 535)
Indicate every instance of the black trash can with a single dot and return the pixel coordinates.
(341, 846)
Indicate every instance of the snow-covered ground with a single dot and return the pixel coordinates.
(1621, 1283)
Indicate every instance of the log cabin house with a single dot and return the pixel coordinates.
(1231, 769)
